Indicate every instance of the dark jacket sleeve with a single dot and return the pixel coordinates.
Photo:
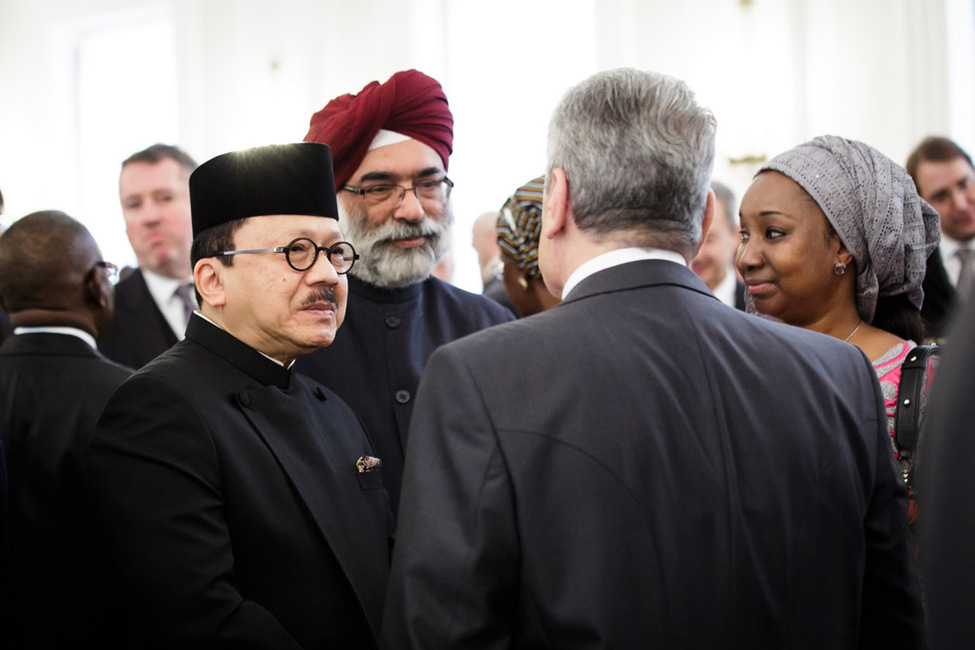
(455, 563)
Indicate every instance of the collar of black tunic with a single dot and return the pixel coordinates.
(237, 353)
(380, 294)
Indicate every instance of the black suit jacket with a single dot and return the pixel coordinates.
(227, 490)
(52, 390)
(139, 331)
(642, 467)
(946, 489)
(6, 328)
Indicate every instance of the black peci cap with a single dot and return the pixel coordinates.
(274, 179)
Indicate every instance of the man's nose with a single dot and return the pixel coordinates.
(322, 271)
(151, 211)
(409, 208)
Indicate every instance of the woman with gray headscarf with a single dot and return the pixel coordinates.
(835, 239)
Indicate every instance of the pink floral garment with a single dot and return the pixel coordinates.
(888, 369)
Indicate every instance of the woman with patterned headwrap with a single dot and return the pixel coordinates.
(519, 225)
(835, 239)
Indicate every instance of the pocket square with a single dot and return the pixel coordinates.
(368, 464)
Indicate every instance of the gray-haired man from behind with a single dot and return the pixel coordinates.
(641, 466)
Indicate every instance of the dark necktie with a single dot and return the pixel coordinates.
(185, 293)
(965, 275)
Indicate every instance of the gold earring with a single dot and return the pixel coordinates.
(523, 282)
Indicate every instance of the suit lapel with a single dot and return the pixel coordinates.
(321, 466)
(143, 309)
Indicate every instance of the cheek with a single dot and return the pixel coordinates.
(708, 251)
(377, 217)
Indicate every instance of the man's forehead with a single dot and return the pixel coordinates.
(935, 175)
(165, 171)
(295, 225)
(403, 160)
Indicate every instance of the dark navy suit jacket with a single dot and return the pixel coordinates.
(642, 467)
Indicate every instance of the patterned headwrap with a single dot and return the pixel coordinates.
(410, 103)
(873, 206)
(520, 224)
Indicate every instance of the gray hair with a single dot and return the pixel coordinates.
(637, 150)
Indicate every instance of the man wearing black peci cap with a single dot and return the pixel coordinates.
(240, 501)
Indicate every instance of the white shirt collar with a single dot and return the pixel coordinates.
(163, 290)
(70, 331)
(725, 291)
(615, 258)
(949, 247)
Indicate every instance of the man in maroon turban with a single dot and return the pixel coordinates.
(391, 145)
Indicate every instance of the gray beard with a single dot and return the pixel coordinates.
(384, 264)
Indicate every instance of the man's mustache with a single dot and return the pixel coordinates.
(394, 232)
(321, 295)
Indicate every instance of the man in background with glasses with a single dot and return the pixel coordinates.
(392, 144)
(53, 385)
(242, 502)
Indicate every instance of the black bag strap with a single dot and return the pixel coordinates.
(910, 393)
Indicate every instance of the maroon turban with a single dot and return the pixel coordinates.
(410, 103)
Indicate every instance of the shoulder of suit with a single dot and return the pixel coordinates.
(471, 301)
(131, 285)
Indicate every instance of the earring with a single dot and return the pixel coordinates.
(523, 282)
(839, 269)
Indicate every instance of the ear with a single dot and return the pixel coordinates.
(709, 209)
(555, 206)
(209, 280)
(842, 254)
(846, 256)
(97, 292)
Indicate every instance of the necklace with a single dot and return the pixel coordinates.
(855, 330)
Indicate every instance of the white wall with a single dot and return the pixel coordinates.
(249, 72)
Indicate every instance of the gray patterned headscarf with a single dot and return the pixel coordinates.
(874, 207)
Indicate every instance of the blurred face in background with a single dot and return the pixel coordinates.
(716, 258)
(949, 186)
(156, 205)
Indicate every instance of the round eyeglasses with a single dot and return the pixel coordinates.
(302, 253)
(436, 191)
